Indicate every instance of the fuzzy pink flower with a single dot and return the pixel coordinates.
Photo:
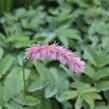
(56, 52)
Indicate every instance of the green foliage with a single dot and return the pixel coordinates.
(5, 6)
(80, 25)
(8, 5)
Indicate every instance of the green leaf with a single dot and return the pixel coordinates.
(50, 91)
(93, 95)
(102, 73)
(1, 53)
(102, 86)
(60, 97)
(89, 100)
(64, 40)
(105, 42)
(1, 96)
(14, 83)
(89, 71)
(63, 87)
(2, 37)
(97, 58)
(46, 104)
(5, 64)
(49, 38)
(67, 104)
(58, 80)
(37, 85)
(43, 71)
(51, 76)
(78, 103)
(86, 89)
(19, 58)
(27, 100)
(79, 85)
(68, 33)
(91, 55)
(18, 37)
(13, 105)
(68, 72)
(106, 95)
(24, 44)
(55, 76)
(70, 94)
(101, 107)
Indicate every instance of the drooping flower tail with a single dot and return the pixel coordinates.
(37, 52)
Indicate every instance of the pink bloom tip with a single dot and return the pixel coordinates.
(55, 52)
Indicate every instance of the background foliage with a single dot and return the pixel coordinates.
(82, 26)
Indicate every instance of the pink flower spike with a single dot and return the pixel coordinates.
(55, 52)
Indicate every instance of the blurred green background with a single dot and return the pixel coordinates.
(80, 25)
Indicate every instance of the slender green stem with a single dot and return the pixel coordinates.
(24, 79)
